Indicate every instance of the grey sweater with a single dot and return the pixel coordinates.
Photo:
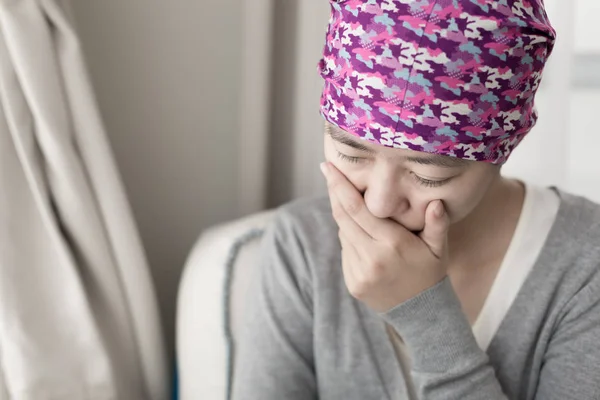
(306, 337)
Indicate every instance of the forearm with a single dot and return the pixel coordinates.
(447, 362)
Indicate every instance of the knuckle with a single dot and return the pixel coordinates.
(353, 207)
(332, 183)
(394, 245)
(395, 242)
(357, 289)
(374, 269)
(337, 213)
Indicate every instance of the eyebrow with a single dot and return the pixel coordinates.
(436, 160)
(346, 139)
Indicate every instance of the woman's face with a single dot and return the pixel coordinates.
(399, 184)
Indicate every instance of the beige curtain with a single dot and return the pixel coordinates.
(78, 313)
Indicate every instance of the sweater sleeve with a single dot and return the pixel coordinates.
(571, 367)
(447, 362)
(274, 357)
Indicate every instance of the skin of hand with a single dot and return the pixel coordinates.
(384, 264)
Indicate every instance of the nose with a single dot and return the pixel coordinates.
(384, 196)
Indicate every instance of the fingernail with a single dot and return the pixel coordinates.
(324, 168)
(439, 209)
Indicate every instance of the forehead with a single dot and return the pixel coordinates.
(408, 155)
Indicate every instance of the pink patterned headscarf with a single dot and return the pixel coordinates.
(450, 77)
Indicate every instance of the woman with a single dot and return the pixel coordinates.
(426, 274)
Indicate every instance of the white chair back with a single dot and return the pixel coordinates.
(210, 305)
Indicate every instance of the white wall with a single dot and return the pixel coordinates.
(585, 125)
(587, 28)
(167, 76)
(584, 143)
(582, 175)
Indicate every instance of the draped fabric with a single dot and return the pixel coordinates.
(78, 313)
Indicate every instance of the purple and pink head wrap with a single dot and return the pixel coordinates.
(450, 77)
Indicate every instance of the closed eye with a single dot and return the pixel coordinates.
(430, 182)
(349, 158)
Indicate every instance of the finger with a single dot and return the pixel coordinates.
(437, 224)
(352, 201)
(353, 232)
(347, 244)
(349, 258)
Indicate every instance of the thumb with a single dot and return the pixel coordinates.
(436, 228)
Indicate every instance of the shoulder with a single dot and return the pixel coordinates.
(304, 233)
(577, 223)
(571, 255)
(582, 209)
(307, 218)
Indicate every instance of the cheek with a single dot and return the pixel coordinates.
(357, 174)
(331, 156)
(418, 199)
(330, 152)
(458, 205)
(462, 200)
